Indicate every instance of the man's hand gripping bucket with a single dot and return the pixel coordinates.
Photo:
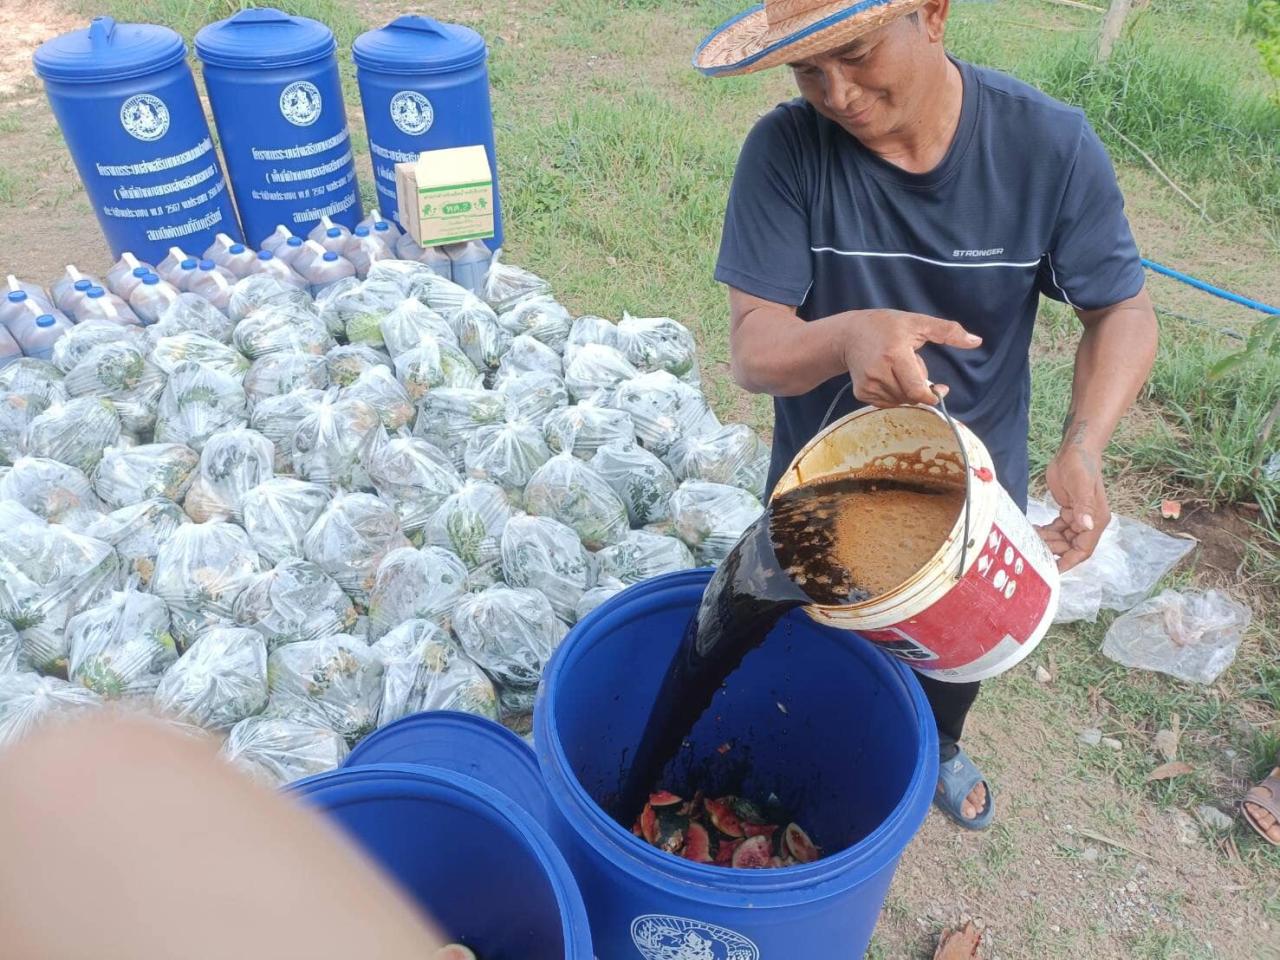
(984, 600)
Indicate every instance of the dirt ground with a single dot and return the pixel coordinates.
(1078, 866)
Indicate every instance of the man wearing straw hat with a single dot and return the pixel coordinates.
(893, 229)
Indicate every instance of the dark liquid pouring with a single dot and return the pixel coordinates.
(814, 535)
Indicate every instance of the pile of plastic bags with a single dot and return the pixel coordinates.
(291, 521)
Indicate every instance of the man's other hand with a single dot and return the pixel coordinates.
(880, 350)
(1074, 478)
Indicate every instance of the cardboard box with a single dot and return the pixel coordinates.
(446, 196)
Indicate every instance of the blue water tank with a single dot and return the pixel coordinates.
(424, 85)
(277, 102)
(127, 105)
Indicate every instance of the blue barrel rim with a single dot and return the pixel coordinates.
(719, 885)
(379, 50)
(355, 785)
(468, 727)
(59, 59)
(215, 48)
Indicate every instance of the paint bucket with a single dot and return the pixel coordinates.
(984, 600)
(841, 734)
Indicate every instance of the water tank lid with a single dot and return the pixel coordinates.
(418, 45)
(264, 38)
(107, 50)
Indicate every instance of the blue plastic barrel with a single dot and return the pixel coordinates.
(424, 85)
(462, 742)
(839, 732)
(472, 858)
(277, 103)
(127, 105)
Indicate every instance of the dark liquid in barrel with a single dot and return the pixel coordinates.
(832, 543)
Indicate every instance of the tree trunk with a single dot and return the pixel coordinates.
(1112, 24)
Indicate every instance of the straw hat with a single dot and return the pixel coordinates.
(784, 31)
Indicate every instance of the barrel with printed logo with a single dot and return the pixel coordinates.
(424, 85)
(126, 102)
(277, 102)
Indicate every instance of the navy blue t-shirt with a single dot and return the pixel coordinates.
(1024, 202)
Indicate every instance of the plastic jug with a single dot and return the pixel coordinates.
(330, 235)
(271, 265)
(234, 257)
(32, 290)
(363, 249)
(169, 269)
(126, 102)
(11, 307)
(67, 290)
(101, 304)
(186, 273)
(213, 283)
(9, 349)
(291, 251)
(73, 302)
(424, 85)
(379, 226)
(277, 101)
(126, 273)
(37, 329)
(325, 268)
(276, 239)
(469, 264)
(433, 257)
(150, 298)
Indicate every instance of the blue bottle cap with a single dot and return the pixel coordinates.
(381, 225)
(151, 279)
(266, 255)
(295, 242)
(333, 232)
(45, 320)
(236, 248)
(263, 38)
(362, 231)
(418, 45)
(330, 256)
(188, 264)
(207, 265)
(141, 271)
(96, 292)
(17, 296)
(83, 284)
(108, 51)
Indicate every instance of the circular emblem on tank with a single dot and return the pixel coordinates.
(145, 117)
(659, 937)
(300, 103)
(412, 112)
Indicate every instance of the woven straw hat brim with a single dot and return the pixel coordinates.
(742, 44)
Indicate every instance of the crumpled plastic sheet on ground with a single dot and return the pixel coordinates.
(506, 284)
(277, 419)
(292, 602)
(127, 475)
(52, 490)
(415, 477)
(642, 555)
(469, 523)
(350, 539)
(567, 489)
(200, 572)
(120, 372)
(333, 443)
(642, 481)
(414, 584)
(335, 682)
(137, 532)
(711, 517)
(511, 632)
(1191, 635)
(194, 347)
(74, 432)
(507, 454)
(197, 402)
(424, 668)
(734, 454)
(121, 646)
(276, 751)
(545, 555)
(532, 396)
(277, 514)
(29, 701)
(448, 416)
(1130, 559)
(584, 428)
(379, 388)
(605, 588)
(219, 681)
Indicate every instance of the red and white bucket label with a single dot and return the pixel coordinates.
(992, 617)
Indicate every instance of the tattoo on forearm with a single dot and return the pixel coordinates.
(1073, 430)
(1066, 423)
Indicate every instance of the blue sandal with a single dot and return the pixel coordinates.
(957, 777)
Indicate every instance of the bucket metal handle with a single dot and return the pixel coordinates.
(964, 457)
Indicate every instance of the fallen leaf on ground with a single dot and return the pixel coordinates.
(959, 944)
(1171, 509)
(1167, 771)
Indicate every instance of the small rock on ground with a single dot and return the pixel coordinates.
(1111, 743)
(1213, 818)
(1091, 737)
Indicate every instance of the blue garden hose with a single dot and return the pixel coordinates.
(1210, 288)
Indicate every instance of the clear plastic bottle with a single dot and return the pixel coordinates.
(33, 290)
(37, 329)
(433, 258)
(271, 265)
(150, 298)
(276, 239)
(213, 283)
(126, 273)
(101, 304)
(364, 249)
(324, 269)
(332, 236)
(9, 349)
(469, 264)
(66, 290)
(169, 269)
(380, 227)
